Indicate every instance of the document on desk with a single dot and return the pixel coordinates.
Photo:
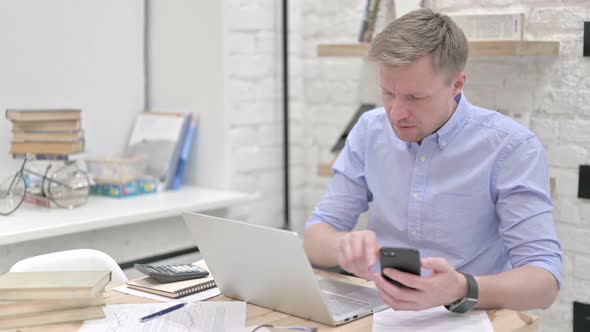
(435, 320)
(194, 317)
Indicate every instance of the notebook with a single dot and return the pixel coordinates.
(339, 145)
(37, 306)
(174, 289)
(17, 286)
(51, 317)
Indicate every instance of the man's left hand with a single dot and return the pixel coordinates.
(443, 287)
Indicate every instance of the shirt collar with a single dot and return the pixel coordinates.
(450, 129)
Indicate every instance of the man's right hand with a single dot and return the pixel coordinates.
(358, 251)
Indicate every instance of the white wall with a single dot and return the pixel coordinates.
(78, 54)
(87, 54)
(187, 73)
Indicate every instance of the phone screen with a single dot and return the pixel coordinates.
(402, 259)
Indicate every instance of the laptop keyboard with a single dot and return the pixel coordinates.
(340, 305)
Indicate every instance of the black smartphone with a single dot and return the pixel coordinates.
(403, 259)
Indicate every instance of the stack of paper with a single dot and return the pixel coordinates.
(431, 320)
(194, 317)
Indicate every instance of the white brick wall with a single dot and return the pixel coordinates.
(253, 97)
(253, 114)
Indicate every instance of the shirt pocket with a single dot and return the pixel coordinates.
(461, 222)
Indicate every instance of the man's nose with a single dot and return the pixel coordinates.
(398, 111)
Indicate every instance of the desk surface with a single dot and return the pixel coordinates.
(502, 320)
(31, 222)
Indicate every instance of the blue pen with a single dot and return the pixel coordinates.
(161, 312)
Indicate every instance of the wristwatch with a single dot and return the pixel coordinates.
(463, 304)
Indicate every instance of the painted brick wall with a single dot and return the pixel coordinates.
(254, 108)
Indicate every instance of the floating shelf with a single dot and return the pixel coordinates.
(476, 48)
(325, 169)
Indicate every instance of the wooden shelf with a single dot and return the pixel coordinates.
(360, 49)
(476, 48)
(325, 169)
(31, 222)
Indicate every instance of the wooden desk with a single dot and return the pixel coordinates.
(502, 320)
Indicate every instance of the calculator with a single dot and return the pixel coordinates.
(172, 273)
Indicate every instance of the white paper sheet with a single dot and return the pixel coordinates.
(194, 317)
(286, 328)
(435, 320)
(201, 296)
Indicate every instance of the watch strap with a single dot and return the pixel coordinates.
(465, 303)
(473, 290)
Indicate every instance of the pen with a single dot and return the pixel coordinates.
(161, 312)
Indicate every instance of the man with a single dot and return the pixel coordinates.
(466, 186)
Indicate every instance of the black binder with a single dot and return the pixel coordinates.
(342, 139)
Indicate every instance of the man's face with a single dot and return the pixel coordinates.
(418, 101)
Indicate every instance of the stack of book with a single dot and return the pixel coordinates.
(38, 298)
(51, 132)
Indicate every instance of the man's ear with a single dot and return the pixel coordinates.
(459, 82)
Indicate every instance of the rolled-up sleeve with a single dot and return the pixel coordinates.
(524, 208)
(347, 195)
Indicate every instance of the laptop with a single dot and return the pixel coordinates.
(268, 267)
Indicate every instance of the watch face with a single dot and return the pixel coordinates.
(464, 305)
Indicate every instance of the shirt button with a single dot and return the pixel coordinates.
(416, 195)
(423, 158)
(413, 234)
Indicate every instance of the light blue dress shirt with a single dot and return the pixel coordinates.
(476, 192)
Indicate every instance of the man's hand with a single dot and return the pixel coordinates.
(443, 287)
(358, 252)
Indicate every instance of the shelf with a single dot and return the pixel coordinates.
(360, 49)
(476, 48)
(325, 169)
(30, 222)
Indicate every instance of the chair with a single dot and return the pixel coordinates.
(72, 260)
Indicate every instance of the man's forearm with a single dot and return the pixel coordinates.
(321, 244)
(523, 288)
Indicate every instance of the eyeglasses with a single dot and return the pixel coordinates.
(68, 187)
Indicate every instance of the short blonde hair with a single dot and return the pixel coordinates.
(420, 33)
